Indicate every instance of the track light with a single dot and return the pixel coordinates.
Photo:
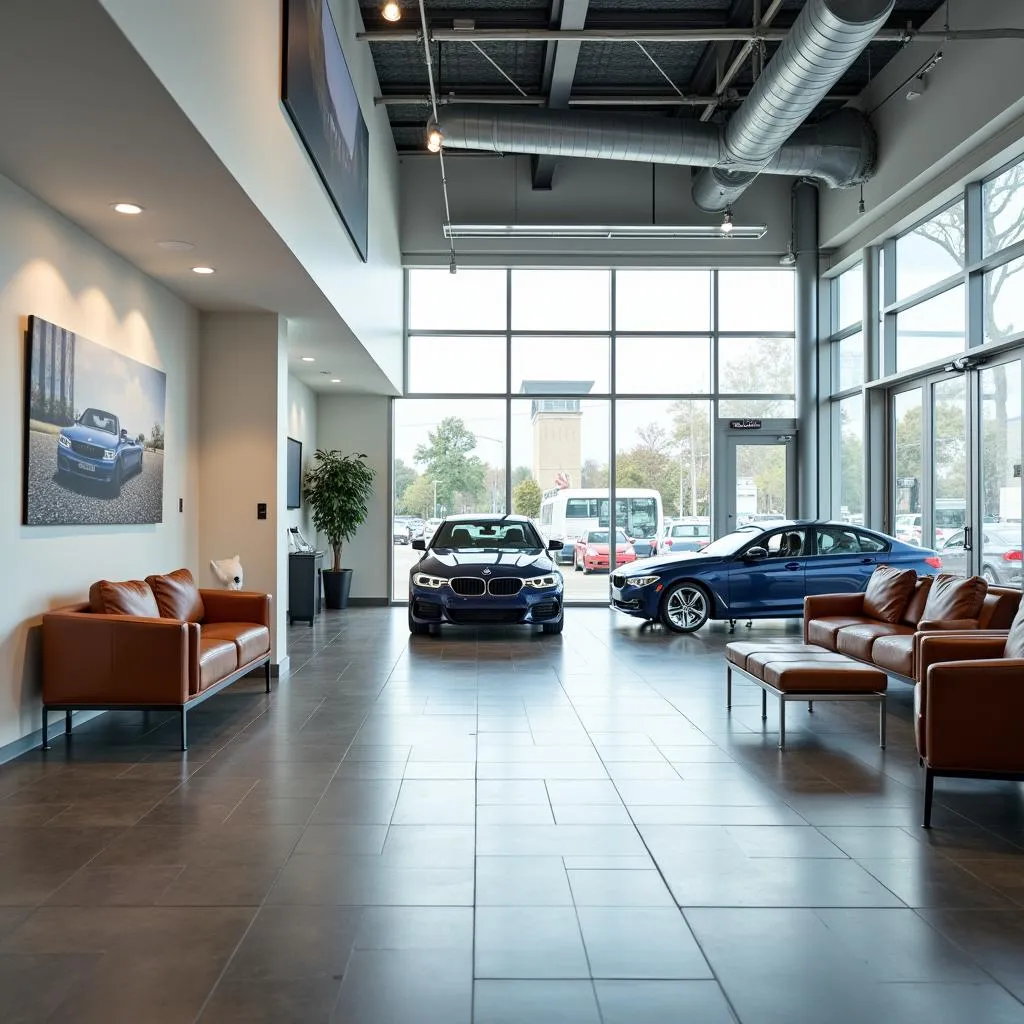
(726, 227)
(391, 11)
(452, 266)
(435, 139)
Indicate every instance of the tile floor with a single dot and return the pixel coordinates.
(505, 828)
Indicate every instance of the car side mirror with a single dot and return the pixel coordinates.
(419, 544)
(555, 545)
(755, 554)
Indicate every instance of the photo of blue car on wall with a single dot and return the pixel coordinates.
(94, 433)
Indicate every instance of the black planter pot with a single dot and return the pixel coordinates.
(336, 587)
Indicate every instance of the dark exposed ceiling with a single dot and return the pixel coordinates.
(618, 74)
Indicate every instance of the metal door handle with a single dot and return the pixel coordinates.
(792, 566)
(967, 538)
(866, 561)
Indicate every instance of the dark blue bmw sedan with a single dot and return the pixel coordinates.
(760, 572)
(485, 569)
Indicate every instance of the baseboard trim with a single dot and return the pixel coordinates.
(32, 741)
(368, 602)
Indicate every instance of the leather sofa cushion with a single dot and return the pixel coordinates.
(756, 662)
(895, 654)
(217, 659)
(857, 641)
(999, 608)
(739, 650)
(914, 612)
(130, 597)
(953, 597)
(177, 596)
(888, 593)
(823, 631)
(1015, 638)
(252, 641)
(824, 677)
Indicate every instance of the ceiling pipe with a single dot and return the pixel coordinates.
(826, 38)
(610, 100)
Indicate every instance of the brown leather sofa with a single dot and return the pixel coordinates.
(151, 644)
(884, 625)
(969, 707)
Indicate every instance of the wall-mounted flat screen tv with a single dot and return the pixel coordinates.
(294, 473)
(318, 93)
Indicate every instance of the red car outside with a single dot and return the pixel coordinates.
(593, 550)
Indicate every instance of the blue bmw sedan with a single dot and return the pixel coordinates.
(760, 572)
(485, 569)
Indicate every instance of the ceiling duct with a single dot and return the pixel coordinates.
(839, 150)
(824, 41)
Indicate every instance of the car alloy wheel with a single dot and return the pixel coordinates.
(990, 576)
(685, 608)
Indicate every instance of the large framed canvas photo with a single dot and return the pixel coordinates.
(321, 100)
(94, 433)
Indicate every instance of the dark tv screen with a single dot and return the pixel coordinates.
(294, 473)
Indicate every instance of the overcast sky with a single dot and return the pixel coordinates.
(130, 390)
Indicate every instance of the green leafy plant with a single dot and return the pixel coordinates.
(338, 488)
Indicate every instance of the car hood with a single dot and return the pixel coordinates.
(603, 549)
(90, 435)
(693, 559)
(512, 563)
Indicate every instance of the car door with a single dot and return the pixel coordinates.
(840, 564)
(954, 555)
(773, 585)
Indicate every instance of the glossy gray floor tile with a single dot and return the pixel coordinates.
(505, 828)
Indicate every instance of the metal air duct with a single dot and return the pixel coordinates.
(825, 40)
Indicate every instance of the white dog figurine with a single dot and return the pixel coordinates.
(229, 572)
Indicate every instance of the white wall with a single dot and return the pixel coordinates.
(221, 62)
(970, 117)
(243, 398)
(302, 427)
(498, 190)
(360, 423)
(51, 269)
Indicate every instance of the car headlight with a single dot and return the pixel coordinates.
(108, 455)
(642, 581)
(421, 579)
(551, 579)
(63, 441)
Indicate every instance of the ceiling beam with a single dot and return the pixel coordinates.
(559, 71)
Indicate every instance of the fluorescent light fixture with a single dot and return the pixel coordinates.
(203, 270)
(308, 359)
(619, 231)
(131, 209)
(391, 11)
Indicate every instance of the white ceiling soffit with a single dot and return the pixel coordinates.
(84, 123)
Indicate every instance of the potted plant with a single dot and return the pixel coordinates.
(338, 488)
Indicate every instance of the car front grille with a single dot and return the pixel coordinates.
(504, 586)
(618, 580)
(545, 610)
(485, 616)
(89, 451)
(468, 586)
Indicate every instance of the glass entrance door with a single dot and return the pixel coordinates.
(759, 484)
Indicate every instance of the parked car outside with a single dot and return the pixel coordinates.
(593, 551)
(429, 527)
(400, 533)
(1000, 554)
(485, 569)
(96, 447)
(760, 572)
(685, 535)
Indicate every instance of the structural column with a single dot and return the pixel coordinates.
(805, 244)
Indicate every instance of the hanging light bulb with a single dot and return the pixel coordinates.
(860, 203)
(726, 227)
(435, 138)
(391, 11)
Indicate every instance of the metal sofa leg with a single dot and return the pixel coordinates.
(764, 705)
(782, 723)
(728, 687)
(184, 729)
(881, 723)
(46, 741)
(810, 707)
(929, 790)
(266, 672)
(67, 722)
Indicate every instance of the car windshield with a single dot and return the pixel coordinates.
(601, 537)
(98, 420)
(690, 530)
(730, 543)
(486, 533)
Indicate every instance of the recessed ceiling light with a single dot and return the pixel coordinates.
(203, 270)
(308, 359)
(130, 208)
(174, 245)
(335, 380)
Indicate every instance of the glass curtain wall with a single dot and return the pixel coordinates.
(583, 398)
